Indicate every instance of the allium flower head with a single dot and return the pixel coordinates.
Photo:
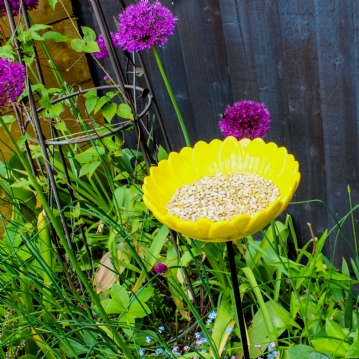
(15, 6)
(101, 44)
(144, 25)
(12, 78)
(245, 119)
(160, 268)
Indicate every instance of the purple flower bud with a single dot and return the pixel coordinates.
(245, 119)
(160, 268)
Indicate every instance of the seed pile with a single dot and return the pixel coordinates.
(221, 197)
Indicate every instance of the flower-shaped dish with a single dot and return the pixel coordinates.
(226, 157)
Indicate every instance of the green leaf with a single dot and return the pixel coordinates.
(109, 111)
(145, 294)
(89, 168)
(127, 318)
(334, 330)
(111, 145)
(36, 36)
(90, 103)
(23, 183)
(90, 154)
(55, 36)
(112, 306)
(91, 93)
(76, 211)
(91, 47)
(77, 347)
(222, 322)
(317, 356)
(21, 141)
(299, 352)
(89, 34)
(57, 109)
(6, 52)
(28, 356)
(38, 27)
(77, 45)
(53, 4)
(46, 103)
(124, 111)
(90, 338)
(102, 101)
(8, 118)
(119, 293)
(139, 310)
(29, 60)
(331, 346)
(162, 154)
(258, 332)
(61, 126)
(354, 348)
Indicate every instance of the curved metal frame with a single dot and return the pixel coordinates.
(95, 136)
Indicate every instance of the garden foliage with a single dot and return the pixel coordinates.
(92, 274)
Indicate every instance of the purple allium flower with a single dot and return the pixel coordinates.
(160, 268)
(15, 6)
(144, 25)
(101, 44)
(245, 119)
(12, 78)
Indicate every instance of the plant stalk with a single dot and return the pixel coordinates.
(173, 99)
(268, 323)
(237, 298)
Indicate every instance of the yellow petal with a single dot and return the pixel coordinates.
(230, 156)
(205, 158)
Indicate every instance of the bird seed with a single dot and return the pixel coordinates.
(221, 197)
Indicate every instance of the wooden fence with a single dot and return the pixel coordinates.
(301, 58)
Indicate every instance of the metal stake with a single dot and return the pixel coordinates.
(237, 298)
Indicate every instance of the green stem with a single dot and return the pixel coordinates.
(353, 221)
(268, 323)
(94, 297)
(170, 92)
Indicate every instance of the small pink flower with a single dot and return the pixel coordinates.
(198, 342)
(186, 348)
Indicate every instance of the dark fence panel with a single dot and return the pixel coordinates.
(298, 57)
